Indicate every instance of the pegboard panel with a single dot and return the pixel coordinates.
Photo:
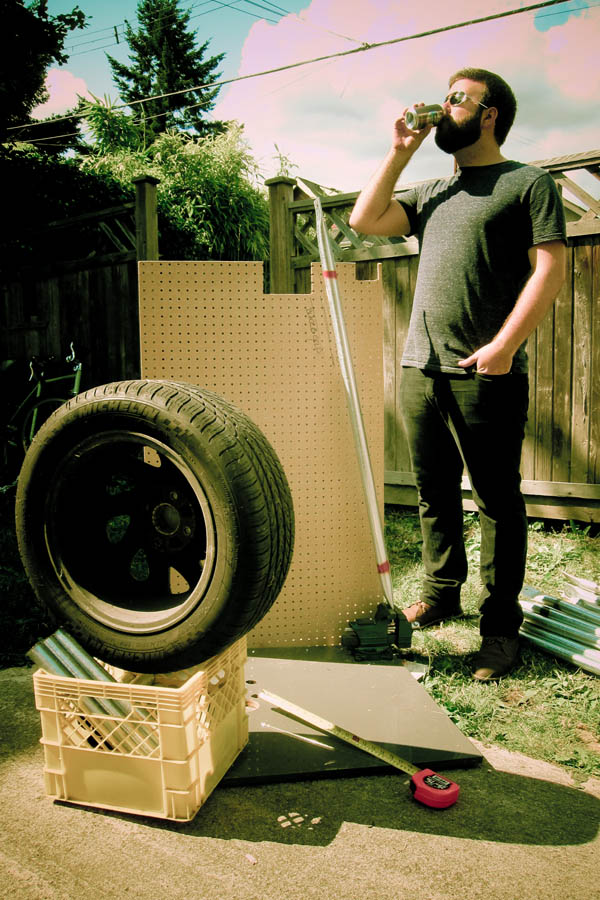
(273, 355)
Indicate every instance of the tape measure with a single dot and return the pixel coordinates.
(426, 785)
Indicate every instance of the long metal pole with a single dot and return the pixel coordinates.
(566, 650)
(352, 399)
(573, 607)
(555, 621)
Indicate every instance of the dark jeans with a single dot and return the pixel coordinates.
(479, 419)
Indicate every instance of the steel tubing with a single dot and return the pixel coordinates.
(551, 624)
(62, 655)
(566, 643)
(95, 671)
(579, 611)
(558, 649)
(353, 402)
(559, 619)
(44, 655)
(574, 605)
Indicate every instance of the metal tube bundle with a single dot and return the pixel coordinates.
(60, 654)
(567, 627)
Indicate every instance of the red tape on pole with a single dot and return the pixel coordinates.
(383, 567)
(327, 273)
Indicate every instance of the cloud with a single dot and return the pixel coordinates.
(544, 19)
(63, 88)
(333, 118)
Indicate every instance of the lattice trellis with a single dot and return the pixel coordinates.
(347, 244)
(581, 206)
(583, 210)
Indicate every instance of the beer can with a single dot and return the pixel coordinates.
(421, 116)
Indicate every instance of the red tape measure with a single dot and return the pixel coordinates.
(431, 789)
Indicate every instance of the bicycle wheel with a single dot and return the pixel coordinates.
(36, 416)
(154, 519)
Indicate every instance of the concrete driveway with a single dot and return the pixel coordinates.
(520, 831)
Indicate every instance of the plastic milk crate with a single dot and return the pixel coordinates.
(152, 749)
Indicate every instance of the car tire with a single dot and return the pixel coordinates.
(155, 521)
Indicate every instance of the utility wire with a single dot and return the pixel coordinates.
(217, 5)
(272, 8)
(363, 48)
(220, 4)
(111, 28)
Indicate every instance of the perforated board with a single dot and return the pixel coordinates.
(273, 355)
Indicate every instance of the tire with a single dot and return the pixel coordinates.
(155, 521)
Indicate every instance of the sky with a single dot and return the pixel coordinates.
(333, 119)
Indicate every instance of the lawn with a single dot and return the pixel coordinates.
(546, 708)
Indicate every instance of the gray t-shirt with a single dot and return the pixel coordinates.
(475, 230)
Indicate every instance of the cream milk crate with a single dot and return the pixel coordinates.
(149, 749)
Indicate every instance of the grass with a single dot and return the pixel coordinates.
(547, 708)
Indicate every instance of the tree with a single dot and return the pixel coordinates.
(112, 129)
(31, 40)
(164, 59)
(209, 200)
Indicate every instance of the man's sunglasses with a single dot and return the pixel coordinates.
(458, 97)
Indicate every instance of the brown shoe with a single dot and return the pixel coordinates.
(422, 614)
(498, 655)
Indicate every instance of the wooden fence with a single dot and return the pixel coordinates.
(91, 300)
(561, 454)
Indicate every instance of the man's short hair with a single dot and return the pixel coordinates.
(497, 93)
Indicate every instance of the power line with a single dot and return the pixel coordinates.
(218, 4)
(124, 22)
(343, 53)
(275, 9)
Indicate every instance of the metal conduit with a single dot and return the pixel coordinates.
(568, 628)
(60, 654)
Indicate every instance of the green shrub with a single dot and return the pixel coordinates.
(210, 205)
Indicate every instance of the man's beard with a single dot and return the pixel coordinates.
(451, 136)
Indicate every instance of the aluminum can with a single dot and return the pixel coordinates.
(421, 116)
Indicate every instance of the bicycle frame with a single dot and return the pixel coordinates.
(38, 393)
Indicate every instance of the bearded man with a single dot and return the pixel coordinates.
(492, 261)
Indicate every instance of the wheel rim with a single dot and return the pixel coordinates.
(130, 532)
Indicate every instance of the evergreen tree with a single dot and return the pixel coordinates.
(164, 58)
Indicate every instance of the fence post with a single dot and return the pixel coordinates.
(281, 194)
(146, 219)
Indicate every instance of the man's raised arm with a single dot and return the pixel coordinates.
(376, 211)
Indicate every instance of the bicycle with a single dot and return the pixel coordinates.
(23, 420)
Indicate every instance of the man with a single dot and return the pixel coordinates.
(492, 260)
